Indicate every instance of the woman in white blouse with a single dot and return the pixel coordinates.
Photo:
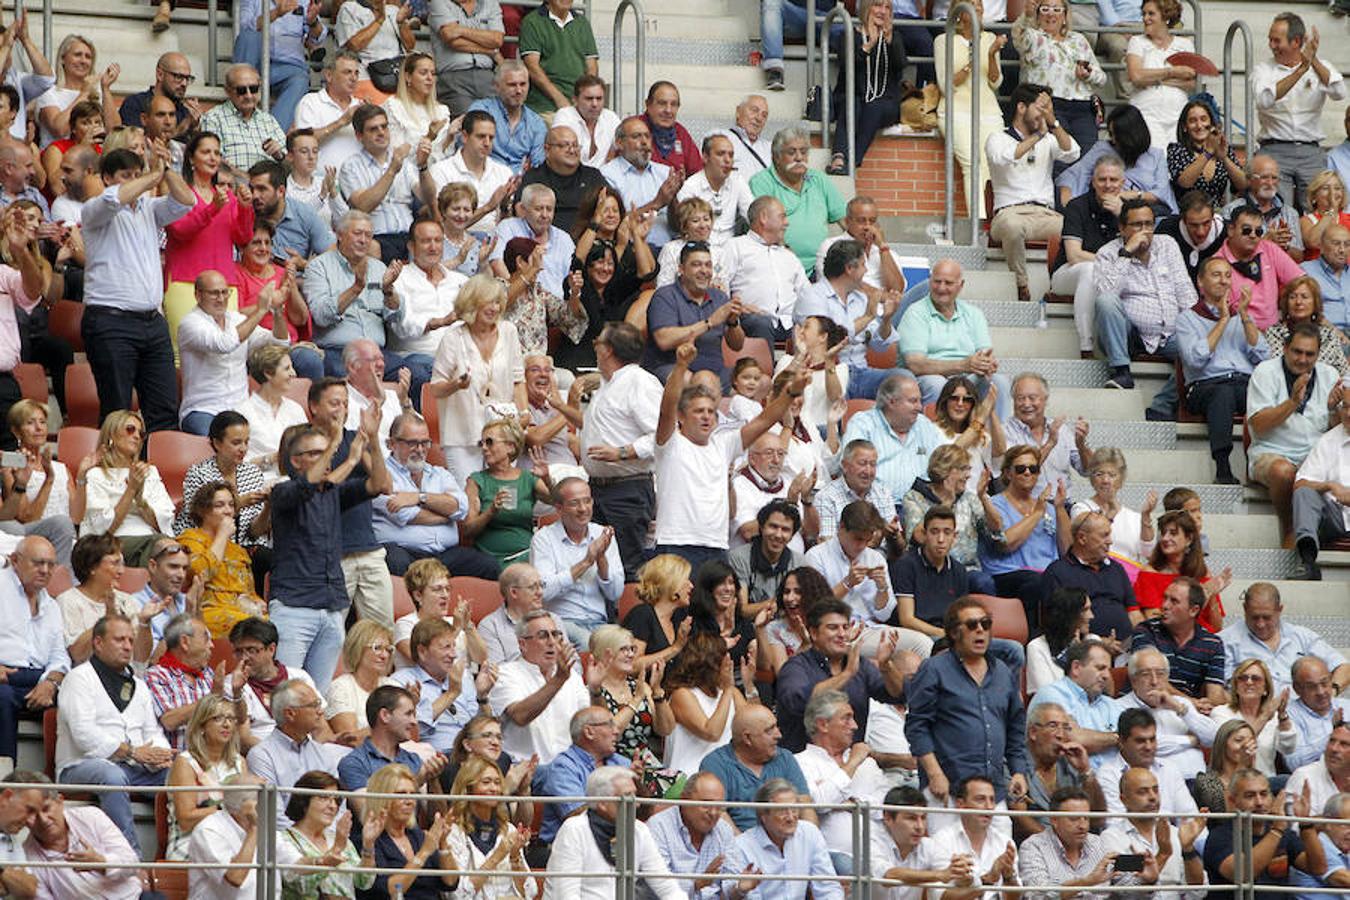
(120, 494)
(1160, 88)
(1252, 698)
(478, 370)
(413, 109)
(96, 562)
(367, 655)
(268, 410)
(44, 507)
(428, 584)
(481, 836)
(704, 699)
(1131, 530)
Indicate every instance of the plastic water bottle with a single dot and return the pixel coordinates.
(1041, 321)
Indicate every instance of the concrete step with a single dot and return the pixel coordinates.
(1033, 343)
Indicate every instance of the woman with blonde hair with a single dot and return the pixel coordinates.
(481, 836)
(413, 110)
(46, 493)
(367, 656)
(77, 59)
(125, 137)
(400, 844)
(638, 702)
(478, 374)
(948, 484)
(119, 493)
(1253, 698)
(210, 756)
(878, 61)
(1301, 301)
(991, 78)
(502, 495)
(1326, 202)
(663, 587)
(692, 219)
(428, 584)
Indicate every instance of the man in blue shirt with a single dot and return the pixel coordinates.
(1313, 711)
(297, 229)
(448, 696)
(692, 309)
(167, 570)
(393, 720)
(902, 435)
(645, 185)
(1082, 693)
(594, 735)
(751, 759)
(535, 221)
(780, 844)
(295, 29)
(520, 130)
(1332, 276)
(1262, 634)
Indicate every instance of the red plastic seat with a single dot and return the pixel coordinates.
(403, 602)
(81, 396)
(628, 600)
(64, 322)
(855, 407)
(483, 596)
(74, 443)
(172, 452)
(32, 379)
(758, 348)
(1010, 619)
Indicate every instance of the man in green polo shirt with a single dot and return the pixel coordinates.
(558, 47)
(810, 198)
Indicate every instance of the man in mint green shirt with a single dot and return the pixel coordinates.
(558, 47)
(942, 337)
(810, 198)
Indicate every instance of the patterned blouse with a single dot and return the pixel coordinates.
(636, 742)
(538, 309)
(228, 597)
(247, 479)
(292, 846)
(971, 523)
(1179, 156)
(1054, 63)
(1333, 349)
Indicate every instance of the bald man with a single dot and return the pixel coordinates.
(32, 650)
(17, 168)
(564, 172)
(752, 758)
(173, 76)
(1329, 271)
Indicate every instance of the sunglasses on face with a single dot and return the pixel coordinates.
(242, 89)
(983, 624)
(1249, 230)
(1025, 469)
(960, 398)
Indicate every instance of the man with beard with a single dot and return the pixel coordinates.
(761, 482)
(298, 231)
(173, 74)
(645, 185)
(763, 561)
(1263, 193)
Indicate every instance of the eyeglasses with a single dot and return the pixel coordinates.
(38, 563)
(416, 445)
(563, 145)
(1025, 469)
(978, 624)
(223, 717)
(489, 442)
(179, 76)
(133, 428)
(960, 398)
(546, 635)
(377, 647)
(1248, 230)
(242, 89)
(223, 292)
(1250, 678)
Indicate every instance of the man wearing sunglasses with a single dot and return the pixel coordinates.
(1258, 264)
(173, 77)
(247, 134)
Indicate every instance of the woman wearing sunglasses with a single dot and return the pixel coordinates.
(1035, 530)
(971, 423)
(1063, 61)
(502, 495)
(119, 493)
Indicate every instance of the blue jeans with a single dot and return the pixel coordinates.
(780, 18)
(1011, 653)
(290, 82)
(115, 804)
(931, 385)
(311, 639)
(196, 422)
(863, 383)
(1118, 338)
(307, 363)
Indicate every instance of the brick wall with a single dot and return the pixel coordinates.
(905, 176)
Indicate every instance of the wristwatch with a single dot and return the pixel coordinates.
(422, 498)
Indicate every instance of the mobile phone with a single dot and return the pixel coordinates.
(13, 459)
(1129, 862)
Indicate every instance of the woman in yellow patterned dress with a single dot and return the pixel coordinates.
(222, 564)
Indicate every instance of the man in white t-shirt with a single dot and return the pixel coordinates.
(593, 123)
(473, 164)
(693, 457)
(860, 223)
(329, 111)
(537, 695)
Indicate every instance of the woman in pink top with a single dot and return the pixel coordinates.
(255, 270)
(206, 237)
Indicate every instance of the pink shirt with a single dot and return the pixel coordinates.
(11, 292)
(205, 238)
(89, 829)
(1277, 270)
(250, 286)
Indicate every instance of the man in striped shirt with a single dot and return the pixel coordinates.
(1195, 656)
(183, 676)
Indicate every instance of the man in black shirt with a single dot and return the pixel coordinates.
(563, 172)
(1087, 565)
(1275, 845)
(1198, 230)
(1089, 222)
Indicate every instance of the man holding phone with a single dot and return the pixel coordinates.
(1069, 855)
(1137, 840)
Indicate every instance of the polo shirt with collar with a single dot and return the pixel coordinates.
(486, 16)
(1195, 664)
(563, 47)
(1278, 213)
(638, 187)
(1295, 437)
(1108, 586)
(366, 759)
(319, 109)
(933, 589)
(1294, 643)
(1277, 270)
(1087, 221)
(926, 331)
(810, 210)
(1335, 290)
(741, 783)
(671, 306)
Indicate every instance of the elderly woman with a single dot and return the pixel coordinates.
(223, 566)
(400, 844)
(44, 506)
(428, 584)
(532, 308)
(1301, 301)
(482, 837)
(878, 60)
(502, 495)
(457, 204)
(963, 88)
(97, 564)
(977, 517)
(1326, 197)
(479, 373)
(1061, 60)
(1200, 158)
(268, 411)
(636, 698)
(255, 270)
(210, 756)
(812, 200)
(1252, 699)
(367, 655)
(1160, 88)
(692, 219)
(481, 737)
(120, 494)
(320, 837)
(1131, 531)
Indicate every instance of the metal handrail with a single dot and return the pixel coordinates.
(949, 116)
(850, 86)
(1234, 28)
(212, 74)
(265, 60)
(640, 59)
(46, 29)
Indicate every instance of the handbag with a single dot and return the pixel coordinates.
(384, 74)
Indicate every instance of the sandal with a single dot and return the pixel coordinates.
(837, 165)
(161, 21)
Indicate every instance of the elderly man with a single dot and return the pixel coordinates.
(1091, 220)
(692, 311)
(618, 441)
(564, 173)
(1083, 694)
(1290, 404)
(763, 273)
(762, 482)
(672, 144)
(1218, 353)
(1262, 634)
(1197, 229)
(814, 201)
(1137, 732)
(857, 481)
(1184, 733)
(520, 130)
(291, 749)
(1289, 106)
(1142, 287)
(183, 677)
(646, 186)
(594, 735)
(590, 120)
(779, 844)
(473, 164)
(1020, 164)
(577, 847)
(965, 709)
(364, 361)
(1259, 265)
(536, 695)
(227, 837)
(392, 712)
(1062, 444)
(754, 153)
(558, 47)
(417, 521)
(247, 134)
(902, 435)
(1329, 774)
(448, 695)
(1151, 837)
(552, 417)
(534, 220)
(752, 759)
(328, 111)
(693, 839)
(426, 292)
(1088, 566)
(18, 808)
(942, 337)
(1328, 270)
(16, 171)
(1322, 494)
(1263, 193)
(841, 295)
(106, 730)
(33, 654)
(1057, 762)
(522, 590)
(979, 838)
(1335, 847)
(1314, 711)
(1274, 850)
(173, 75)
(860, 224)
(579, 563)
(722, 186)
(1195, 656)
(382, 181)
(1068, 854)
(79, 834)
(467, 36)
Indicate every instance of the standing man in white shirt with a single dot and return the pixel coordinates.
(726, 189)
(537, 695)
(328, 111)
(473, 164)
(1290, 91)
(426, 291)
(579, 563)
(1021, 161)
(593, 123)
(763, 272)
(618, 433)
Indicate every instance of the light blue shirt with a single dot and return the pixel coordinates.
(804, 853)
(1114, 12)
(827, 558)
(1336, 862)
(929, 333)
(288, 32)
(30, 641)
(398, 528)
(1313, 731)
(821, 299)
(677, 848)
(638, 187)
(1294, 437)
(394, 214)
(301, 230)
(440, 731)
(279, 760)
(1296, 642)
(326, 277)
(1038, 551)
(1100, 714)
(1335, 291)
(899, 462)
(121, 249)
(557, 256)
(1149, 172)
(1232, 356)
(589, 599)
(511, 146)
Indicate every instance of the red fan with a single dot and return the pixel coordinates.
(1200, 64)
